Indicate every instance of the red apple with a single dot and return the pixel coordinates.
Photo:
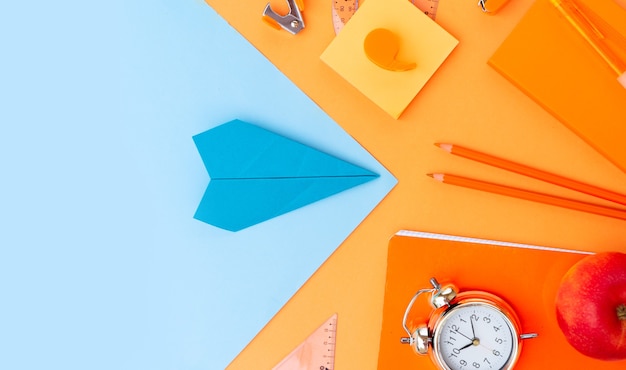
(591, 306)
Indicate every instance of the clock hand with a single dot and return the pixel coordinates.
(472, 339)
(467, 345)
(475, 341)
(485, 347)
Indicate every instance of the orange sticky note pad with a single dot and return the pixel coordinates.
(422, 41)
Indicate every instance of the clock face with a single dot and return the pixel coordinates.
(475, 336)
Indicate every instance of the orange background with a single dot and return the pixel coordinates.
(466, 102)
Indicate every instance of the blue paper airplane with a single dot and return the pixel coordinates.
(257, 175)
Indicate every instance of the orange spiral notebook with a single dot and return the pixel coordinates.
(547, 59)
(525, 276)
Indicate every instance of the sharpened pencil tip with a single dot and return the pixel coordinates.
(437, 176)
(446, 147)
(429, 174)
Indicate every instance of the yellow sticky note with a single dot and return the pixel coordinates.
(421, 41)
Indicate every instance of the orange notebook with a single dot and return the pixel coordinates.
(548, 60)
(527, 277)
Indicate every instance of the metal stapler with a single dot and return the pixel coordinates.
(292, 22)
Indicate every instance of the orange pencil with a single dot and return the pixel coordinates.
(529, 195)
(534, 173)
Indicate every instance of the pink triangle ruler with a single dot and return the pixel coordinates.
(317, 352)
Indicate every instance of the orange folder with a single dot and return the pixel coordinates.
(526, 277)
(548, 60)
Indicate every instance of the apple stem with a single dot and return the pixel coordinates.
(621, 312)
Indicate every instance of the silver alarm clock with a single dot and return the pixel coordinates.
(468, 330)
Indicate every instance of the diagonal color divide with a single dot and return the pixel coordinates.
(257, 175)
(249, 275)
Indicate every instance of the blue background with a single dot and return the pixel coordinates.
(102, 265)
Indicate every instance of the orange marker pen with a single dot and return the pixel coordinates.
(491, 6)
(592, 35)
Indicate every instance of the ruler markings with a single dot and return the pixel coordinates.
(317, 352)
(343, 10)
